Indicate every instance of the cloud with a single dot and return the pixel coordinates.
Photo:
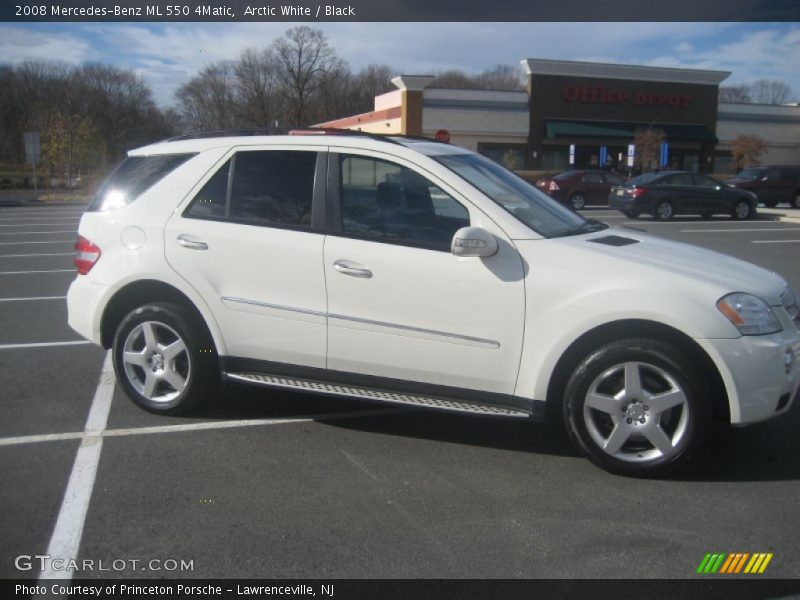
(18, 44)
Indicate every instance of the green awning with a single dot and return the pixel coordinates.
(675, 132)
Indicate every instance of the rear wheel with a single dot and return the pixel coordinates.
(706, 215)
(577, 201)
(663, 210)
(770, 203)
(631, 214)
(164, 359)
(795, 200)
(741, 210)
(636, 407)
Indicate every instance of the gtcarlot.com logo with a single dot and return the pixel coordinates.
(736, 563)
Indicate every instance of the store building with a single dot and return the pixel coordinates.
(586, 115)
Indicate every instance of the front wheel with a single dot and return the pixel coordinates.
(164, 359)
(741, 210)
(631, 214)
(795, 200)
(636, 407)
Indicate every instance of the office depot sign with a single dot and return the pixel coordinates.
(599, 94)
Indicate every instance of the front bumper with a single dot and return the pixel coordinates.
(761, 373)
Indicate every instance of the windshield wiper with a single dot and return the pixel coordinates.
(588, 226)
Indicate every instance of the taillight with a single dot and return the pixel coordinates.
(638, 191)
(86, 255)
(554, 186)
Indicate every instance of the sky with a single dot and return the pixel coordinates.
(167, 55)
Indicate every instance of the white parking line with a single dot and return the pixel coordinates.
(66, 538)
(38, 232)
(739, 230)
(30, 272)
(43, 345)
(34, 298)
(56, 218)
(36, 224)
(53, 242)
(206, 426)
(775, 242)
(38, 254)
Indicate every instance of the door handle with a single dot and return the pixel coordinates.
(353, 269)
(188, 241)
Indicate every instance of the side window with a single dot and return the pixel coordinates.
(681, 179)
(210, 201)
(387, 201)
(771, 175)
(273, 187)
(705, 182)
(593, 178)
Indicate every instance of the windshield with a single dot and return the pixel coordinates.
(642, 179)
(751, 174)
(535, 209)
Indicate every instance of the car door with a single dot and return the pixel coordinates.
(680, 189)
(711, 195)
(400, 305)
(769, 188)
(248, 242)
(596, 188)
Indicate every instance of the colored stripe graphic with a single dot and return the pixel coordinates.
(735, 563)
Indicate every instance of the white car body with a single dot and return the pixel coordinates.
(494, 325)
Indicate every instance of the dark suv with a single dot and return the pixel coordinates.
(772, 185)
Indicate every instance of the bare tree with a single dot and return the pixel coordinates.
(452, 79)
(746, 151)
(763, 91)
(767, 91)
(257, 87)
(307, 63)
(736, 94)
(208, 100)
(501, 77)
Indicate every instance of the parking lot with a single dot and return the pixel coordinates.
(269, 484)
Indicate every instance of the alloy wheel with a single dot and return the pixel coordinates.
(156, 361)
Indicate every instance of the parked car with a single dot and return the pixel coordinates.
(577, 189)
(421, 274)
(671, 193)
(772, 185)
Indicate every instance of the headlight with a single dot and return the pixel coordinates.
(750, 314)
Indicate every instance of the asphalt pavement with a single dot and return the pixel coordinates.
(270, 484)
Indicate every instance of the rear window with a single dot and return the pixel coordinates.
(563, 176)
(751, 174)
(642, 179)
(134, 176)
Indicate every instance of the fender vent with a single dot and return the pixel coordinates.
(614, 240)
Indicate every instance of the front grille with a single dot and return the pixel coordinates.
(791, 305)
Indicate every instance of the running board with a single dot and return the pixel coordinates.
(376, 394)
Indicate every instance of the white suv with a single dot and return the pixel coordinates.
(412, 272)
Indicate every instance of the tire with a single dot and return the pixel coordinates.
(795, 201)
(160, 380)
(663, 210)
(706, 215)
(577, 201)
(770, 204)
(631, 214)
(648, 431)
(741, 210)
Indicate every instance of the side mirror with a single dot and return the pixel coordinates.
(473, 241)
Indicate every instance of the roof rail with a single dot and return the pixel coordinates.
(386, 137)
(229, 132)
